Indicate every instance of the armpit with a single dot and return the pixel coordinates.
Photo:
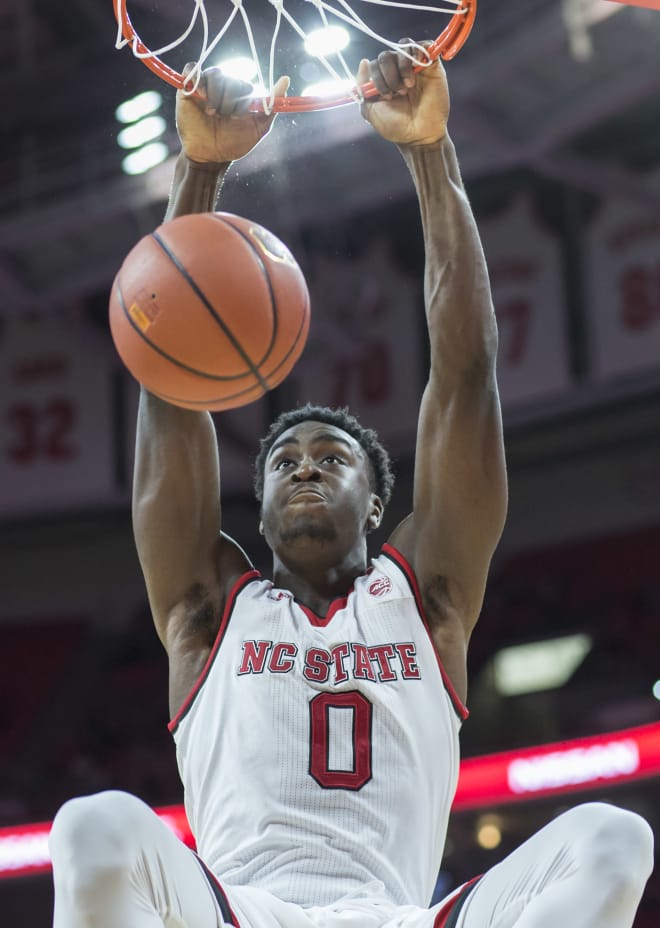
(199, 615)
(436, 598)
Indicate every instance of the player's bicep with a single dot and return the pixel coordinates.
(460, 488)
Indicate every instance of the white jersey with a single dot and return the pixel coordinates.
(319, 755)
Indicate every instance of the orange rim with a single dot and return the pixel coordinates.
(447, 45)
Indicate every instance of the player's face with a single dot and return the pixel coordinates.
(317, 489)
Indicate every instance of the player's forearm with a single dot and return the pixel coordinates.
(176, 456)
(177, 448)
(461, 320)
(195, 188)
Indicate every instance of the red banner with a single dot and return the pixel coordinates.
(491, 780)
(568, 766)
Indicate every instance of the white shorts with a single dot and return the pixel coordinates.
(115, 863)
(248, 907)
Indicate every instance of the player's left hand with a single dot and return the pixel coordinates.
(413, 107)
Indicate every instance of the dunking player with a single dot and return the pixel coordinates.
(316, 716)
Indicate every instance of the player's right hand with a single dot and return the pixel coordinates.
(214, 125)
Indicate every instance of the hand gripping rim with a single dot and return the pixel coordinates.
(445, 46)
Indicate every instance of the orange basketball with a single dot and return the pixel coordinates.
(209, 311)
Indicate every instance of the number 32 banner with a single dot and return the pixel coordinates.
(525, 271)
(55, 418)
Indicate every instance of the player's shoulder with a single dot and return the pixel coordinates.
(389, 576)
(232, 563)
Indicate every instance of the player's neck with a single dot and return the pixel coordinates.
(318, 585)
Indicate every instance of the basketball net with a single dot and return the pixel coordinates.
(446, 45)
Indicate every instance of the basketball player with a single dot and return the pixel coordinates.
(316, 716)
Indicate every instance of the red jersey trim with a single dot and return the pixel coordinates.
(447, 914)
(320, 621)
(240, 584)
(228, 916)
(403, 564)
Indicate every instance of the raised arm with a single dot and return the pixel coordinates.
(460, 488)
(188, 565)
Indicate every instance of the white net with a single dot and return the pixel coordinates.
(326, 14)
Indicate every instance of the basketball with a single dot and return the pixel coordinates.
(209, 311)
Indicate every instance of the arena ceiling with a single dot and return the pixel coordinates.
(565, 90)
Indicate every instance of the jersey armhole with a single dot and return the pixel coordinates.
(391, 552)
(240, 585)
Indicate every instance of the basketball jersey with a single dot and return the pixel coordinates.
(319, 755)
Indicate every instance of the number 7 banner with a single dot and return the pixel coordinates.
(526, 278)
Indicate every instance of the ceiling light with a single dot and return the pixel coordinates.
(326, 41)
(656, 689)
(145, 158)
(489, 832)
(146, 130)
(541, 665)
(241, 68)
(139, 106)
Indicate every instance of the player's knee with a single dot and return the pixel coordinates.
(620, 845)
(89, 840)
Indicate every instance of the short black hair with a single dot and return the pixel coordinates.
(381, 468)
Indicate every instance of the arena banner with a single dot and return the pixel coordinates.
(365, 348)
(582, 764)
(624, 290)
(524, 263)
(56, 431)
(564, 767)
